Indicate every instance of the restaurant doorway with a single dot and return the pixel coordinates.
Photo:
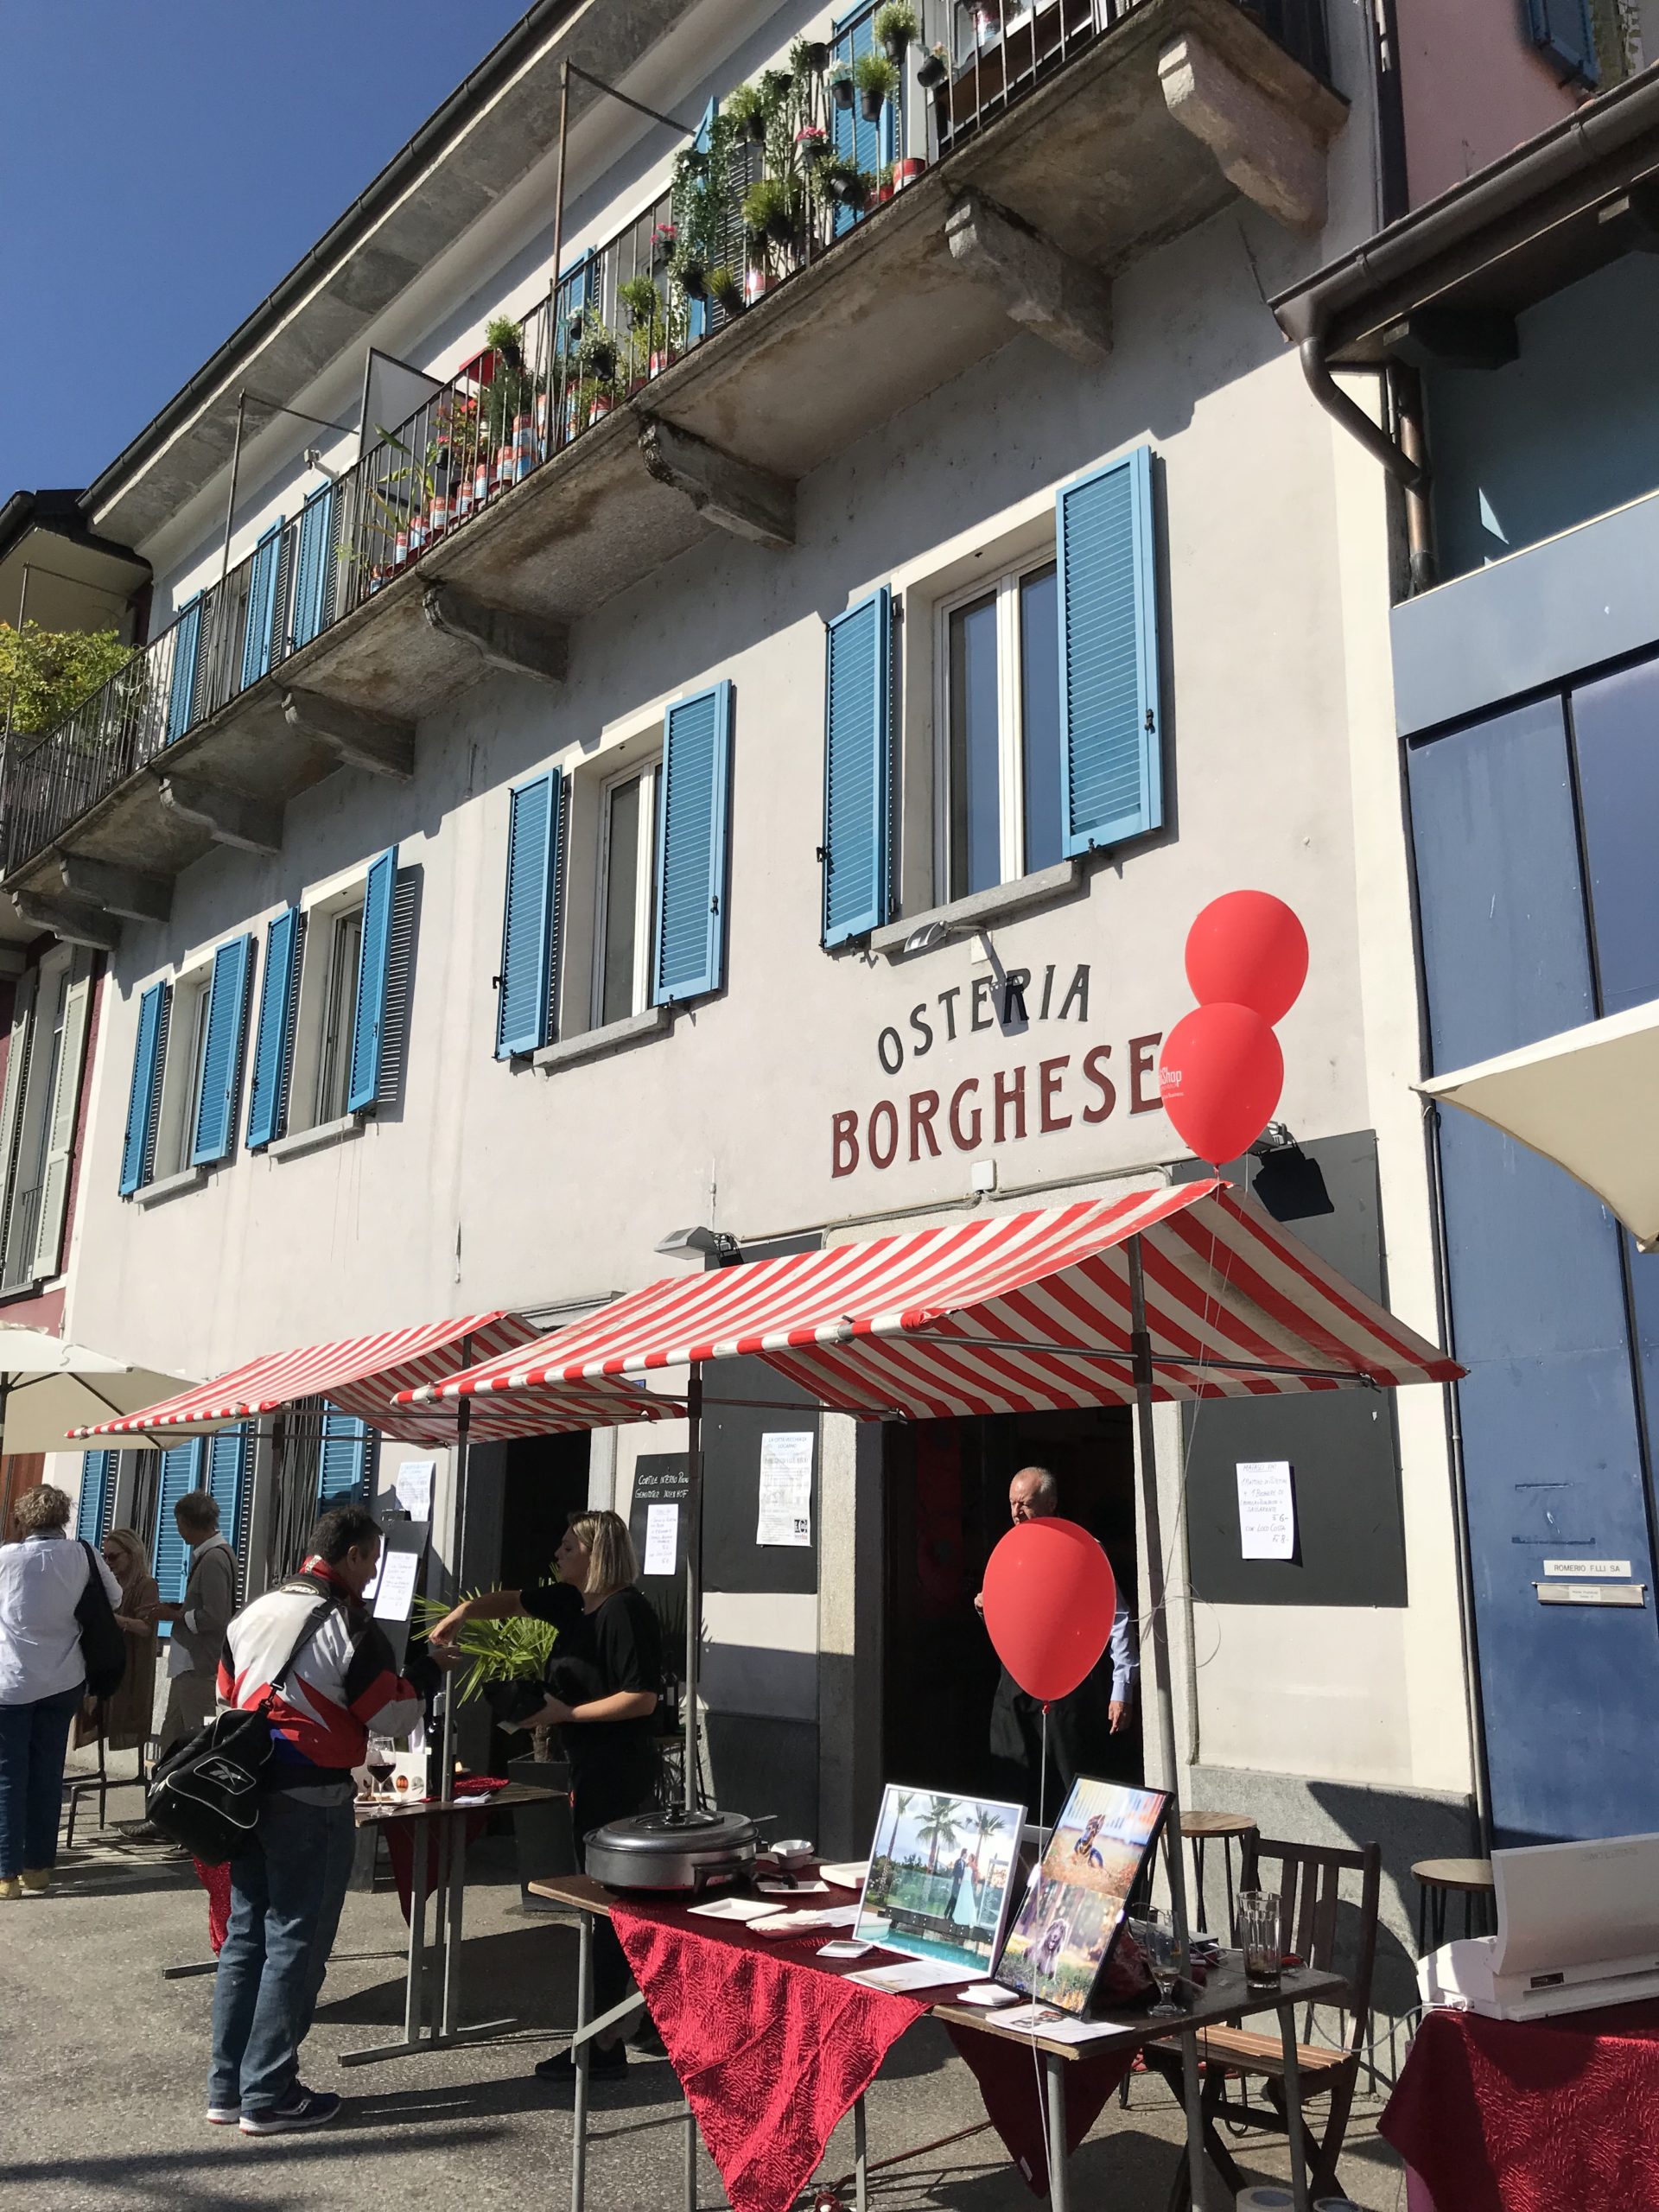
(945, 1486)
(545, 1484)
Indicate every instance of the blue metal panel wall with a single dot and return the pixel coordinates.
(1553, 1458)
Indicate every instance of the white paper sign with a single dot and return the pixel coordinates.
(662, 1537)
(1267, 1510)
(413, 1488)
(785, 1489)
(396, 1595)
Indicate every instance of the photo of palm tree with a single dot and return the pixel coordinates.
(940, 1871)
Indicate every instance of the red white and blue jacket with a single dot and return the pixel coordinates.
(344, 1683)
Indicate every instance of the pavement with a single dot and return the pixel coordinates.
(103, 2065)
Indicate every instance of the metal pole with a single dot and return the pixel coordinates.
(463, 1434)
(230, 503)
(583, 2051)
(558, 187)
(693, 1573)
(1140, 1354)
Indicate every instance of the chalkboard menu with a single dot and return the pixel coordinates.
(661, 1488)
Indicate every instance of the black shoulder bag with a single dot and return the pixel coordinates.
(102, 1643)
(206, 1793)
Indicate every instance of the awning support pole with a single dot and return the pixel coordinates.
(1140, 1354)
(463, 1432)
(693, 1573)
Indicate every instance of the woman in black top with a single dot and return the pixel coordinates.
(602, 1682)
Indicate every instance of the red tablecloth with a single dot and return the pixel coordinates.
(216, 1880)
(773, 2046)
(1557, 2116)
(400, 1841)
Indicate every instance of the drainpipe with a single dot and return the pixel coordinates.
(1407, 461)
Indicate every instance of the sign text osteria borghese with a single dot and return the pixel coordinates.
(1068, 1078)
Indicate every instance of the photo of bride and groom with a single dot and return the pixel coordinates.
(940, 1867)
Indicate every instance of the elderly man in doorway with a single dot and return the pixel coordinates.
(1073, 1726)
(200, 1623)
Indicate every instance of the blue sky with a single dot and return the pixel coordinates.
(163, 163)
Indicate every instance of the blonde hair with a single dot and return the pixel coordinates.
(43, 1507)
(134, 1560)
(612, 1563)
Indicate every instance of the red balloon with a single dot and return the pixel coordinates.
(1049, 1600)
(1248, 948)
(1220, 1074)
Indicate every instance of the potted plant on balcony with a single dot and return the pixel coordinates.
(772, 211)
(840, 80)
(811, 144)
(906, 171)
(843, 181)
(726, 290)
(877, 80)
(745, 109)
(691, 273)
(809, 57)
(664, 240)
(894, 31)
(933, 68)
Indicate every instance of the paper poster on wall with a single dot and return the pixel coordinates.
(1267, 1509)
(662, 1538)
(785, 1489)
(413, 1488)
(394, 1597)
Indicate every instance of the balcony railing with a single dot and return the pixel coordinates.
(676, 277)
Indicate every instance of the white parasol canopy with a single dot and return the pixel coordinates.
(1587, 1099)
(48, 1386)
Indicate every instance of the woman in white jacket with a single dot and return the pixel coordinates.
(42, 1680)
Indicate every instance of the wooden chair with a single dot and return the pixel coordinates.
(1308, 1879)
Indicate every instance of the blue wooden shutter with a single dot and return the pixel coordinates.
(181, 687)
(696, 311)
(374, 962)
(230, 1455)
(1111, 777)
(1566, 31)
(690, 935)
(181, 1471)
(271, 1046)
(522, 1021)
(858, 769)
(146, 1086)
(96, 1481)
(260, 624)
(343, 1462)
(221, 1058)
(314, 565)
(870, 145)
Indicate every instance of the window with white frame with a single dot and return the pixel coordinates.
(185, 1052)
(997, 773)
(339, 945)
(622, 922)
(38, 1113)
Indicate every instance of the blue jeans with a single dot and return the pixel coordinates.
(287, 1889)
(34, 1739)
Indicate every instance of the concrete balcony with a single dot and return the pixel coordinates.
(1019, 226)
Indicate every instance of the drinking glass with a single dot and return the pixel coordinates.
(1258, 1937)
(1157, 1937)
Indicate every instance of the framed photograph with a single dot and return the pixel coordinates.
(1073, 1907)
(942, 1871)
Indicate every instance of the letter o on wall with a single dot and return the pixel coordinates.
(883, 1150)
(892, 1066)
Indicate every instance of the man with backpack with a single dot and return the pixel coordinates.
(310, 1652)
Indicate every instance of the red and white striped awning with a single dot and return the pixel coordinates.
(1004, 1313)
(364, 1375)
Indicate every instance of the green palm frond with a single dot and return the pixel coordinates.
(516, 1650)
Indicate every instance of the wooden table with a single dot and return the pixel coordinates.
(1224, 1999)
(434, 1971)
(1436, 1878)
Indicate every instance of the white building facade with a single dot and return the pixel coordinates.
(480, 908)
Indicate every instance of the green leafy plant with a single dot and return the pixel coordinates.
(514, 388)
(726, 289)
(46, 674)
(596, 356)
(877, 80)
(746, 111)
(894, 27)
(772, 209)
(700, 192)
(515, 1651)
(843, 179)
(808, 57)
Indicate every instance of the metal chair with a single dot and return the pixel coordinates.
(1308, 1876)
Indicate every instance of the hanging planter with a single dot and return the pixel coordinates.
(692, 276)
(664, 240)
(933, 68)
(746, 111)
(844, 182)
(841, 88)
(815, 54)
(894, 27)
(877, 80)
(726, 291)
(811, 144)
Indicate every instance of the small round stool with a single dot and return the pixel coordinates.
(1436, 1880)
(1200, 1829)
